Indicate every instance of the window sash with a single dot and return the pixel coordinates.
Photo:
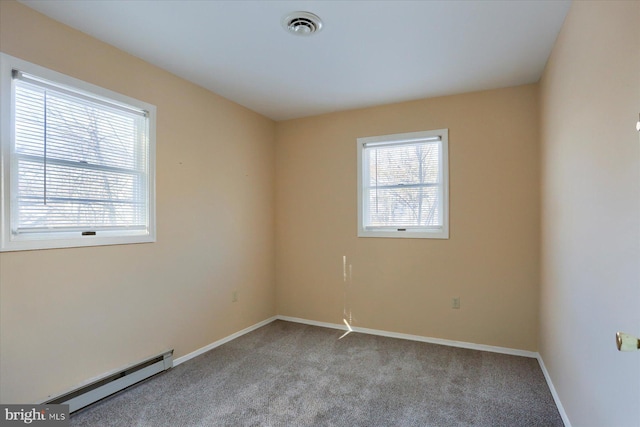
(371, 187)
(93, 211)
(404, 217)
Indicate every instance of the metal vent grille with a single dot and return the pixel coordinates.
(302, 23)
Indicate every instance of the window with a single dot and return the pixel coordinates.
(403, 185)
(77, 162)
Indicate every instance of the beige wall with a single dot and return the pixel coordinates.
(69, 315)
(406, 285)
(590, 99)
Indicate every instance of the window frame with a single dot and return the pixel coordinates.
(10, 241)
(396, 231)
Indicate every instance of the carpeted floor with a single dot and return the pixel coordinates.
(287, 374)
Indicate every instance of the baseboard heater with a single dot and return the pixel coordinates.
(113, 383)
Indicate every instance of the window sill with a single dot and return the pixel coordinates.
(395, 234)
(30, 243)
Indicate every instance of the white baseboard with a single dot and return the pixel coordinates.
(450, 343)
(218, 343)
(554, 393)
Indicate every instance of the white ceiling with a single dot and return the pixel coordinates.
(368, 53)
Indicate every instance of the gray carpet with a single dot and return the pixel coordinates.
(287, 374)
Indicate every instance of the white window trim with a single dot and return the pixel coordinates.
(423, 233)
(28, 241)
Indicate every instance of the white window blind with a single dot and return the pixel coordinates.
(403, 185)
(77, 162)
(80, 161)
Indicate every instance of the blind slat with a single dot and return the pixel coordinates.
(404, 188)
(81, 160)
(45, 84)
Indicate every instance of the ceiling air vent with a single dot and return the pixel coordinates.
(302, 23)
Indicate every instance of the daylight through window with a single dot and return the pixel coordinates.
(403, 185)
(80, 166)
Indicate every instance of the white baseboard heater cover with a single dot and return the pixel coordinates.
(113, 383)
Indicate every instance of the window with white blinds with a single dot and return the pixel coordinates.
(403, 185)
(81, 167)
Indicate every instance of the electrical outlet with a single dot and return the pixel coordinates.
(455, 303)
(234, 296)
